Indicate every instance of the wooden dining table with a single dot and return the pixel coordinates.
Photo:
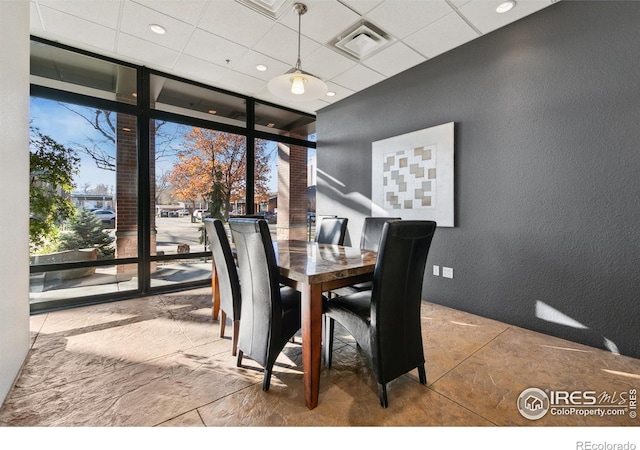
(313, 269)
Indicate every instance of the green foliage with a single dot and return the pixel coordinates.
(52, 169)
(86, 231)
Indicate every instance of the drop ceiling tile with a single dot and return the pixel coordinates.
(482, 13)
(213, 48)
(241, 83)
(441, 36)
(188, 11)
(247, 65)
(358, 78)
(199, 70)
(145, 52)
(235, 22)
(137, 18)
(401, 18)
(394, 59)
(77, 31)
(362, 7)
(281, 43)
(459, 3)
(35, 23)
(341, 92)
(326, 63)
(103, 12)
(323, 20)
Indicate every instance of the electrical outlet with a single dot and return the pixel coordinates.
(436, 271)
(447, 272)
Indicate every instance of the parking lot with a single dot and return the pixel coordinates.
(173, 231)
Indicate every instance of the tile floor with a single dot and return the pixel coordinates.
(159, 361)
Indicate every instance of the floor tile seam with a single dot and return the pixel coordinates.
(472, 354)
(195, 409)
(462, 406)
(222, 398)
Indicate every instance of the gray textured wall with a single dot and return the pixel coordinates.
(547, 157)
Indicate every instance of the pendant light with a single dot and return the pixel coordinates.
(297, 84)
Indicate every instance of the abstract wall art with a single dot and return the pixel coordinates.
(412, 175)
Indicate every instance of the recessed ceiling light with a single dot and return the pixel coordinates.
(134, 94)
(158, 29)
(271, 125)
(506, 6)
(212, 111)
(261, 67)
(331, 94)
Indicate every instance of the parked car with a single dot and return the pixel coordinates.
(106, 215)
(183, 212)
(270, 217)
(200, 214)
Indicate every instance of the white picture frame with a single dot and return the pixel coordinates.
(412, 175)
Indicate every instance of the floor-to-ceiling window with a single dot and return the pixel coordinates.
(143, 157)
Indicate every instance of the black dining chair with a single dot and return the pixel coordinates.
(332, 230)
(228, 281)
(369, 240)
(270, 313)
(385, 321)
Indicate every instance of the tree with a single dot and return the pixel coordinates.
(87, 231)
(101, 147)
(212, 168)
(52, 168)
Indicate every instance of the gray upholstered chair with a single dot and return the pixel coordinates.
(270, 313)
(385, 321)
(228, 281)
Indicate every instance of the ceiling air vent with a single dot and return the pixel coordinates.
(362, 41)
(270, 8)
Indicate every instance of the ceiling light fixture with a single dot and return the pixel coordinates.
(157, 29)
(331, 94)
(261, 67)
(506, 6)
(297, 84)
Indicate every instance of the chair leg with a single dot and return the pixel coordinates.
(236, 331)
(422, 374)
(223, 323)
(239, 362)
(329, 324)
(266, 381)
(382, 393)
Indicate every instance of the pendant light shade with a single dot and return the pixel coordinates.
(297, 84)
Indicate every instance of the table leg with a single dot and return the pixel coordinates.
(215, 293)
(311, 342)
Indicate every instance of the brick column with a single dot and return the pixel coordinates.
(126, 204)
(292, 192)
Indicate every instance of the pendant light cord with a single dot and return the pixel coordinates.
(299, 62)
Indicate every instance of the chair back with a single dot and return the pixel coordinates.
(261, 302)
(372, 232)
(225, 266)
(396, 296)
(332, 230)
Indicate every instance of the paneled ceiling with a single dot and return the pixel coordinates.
(350, 44)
